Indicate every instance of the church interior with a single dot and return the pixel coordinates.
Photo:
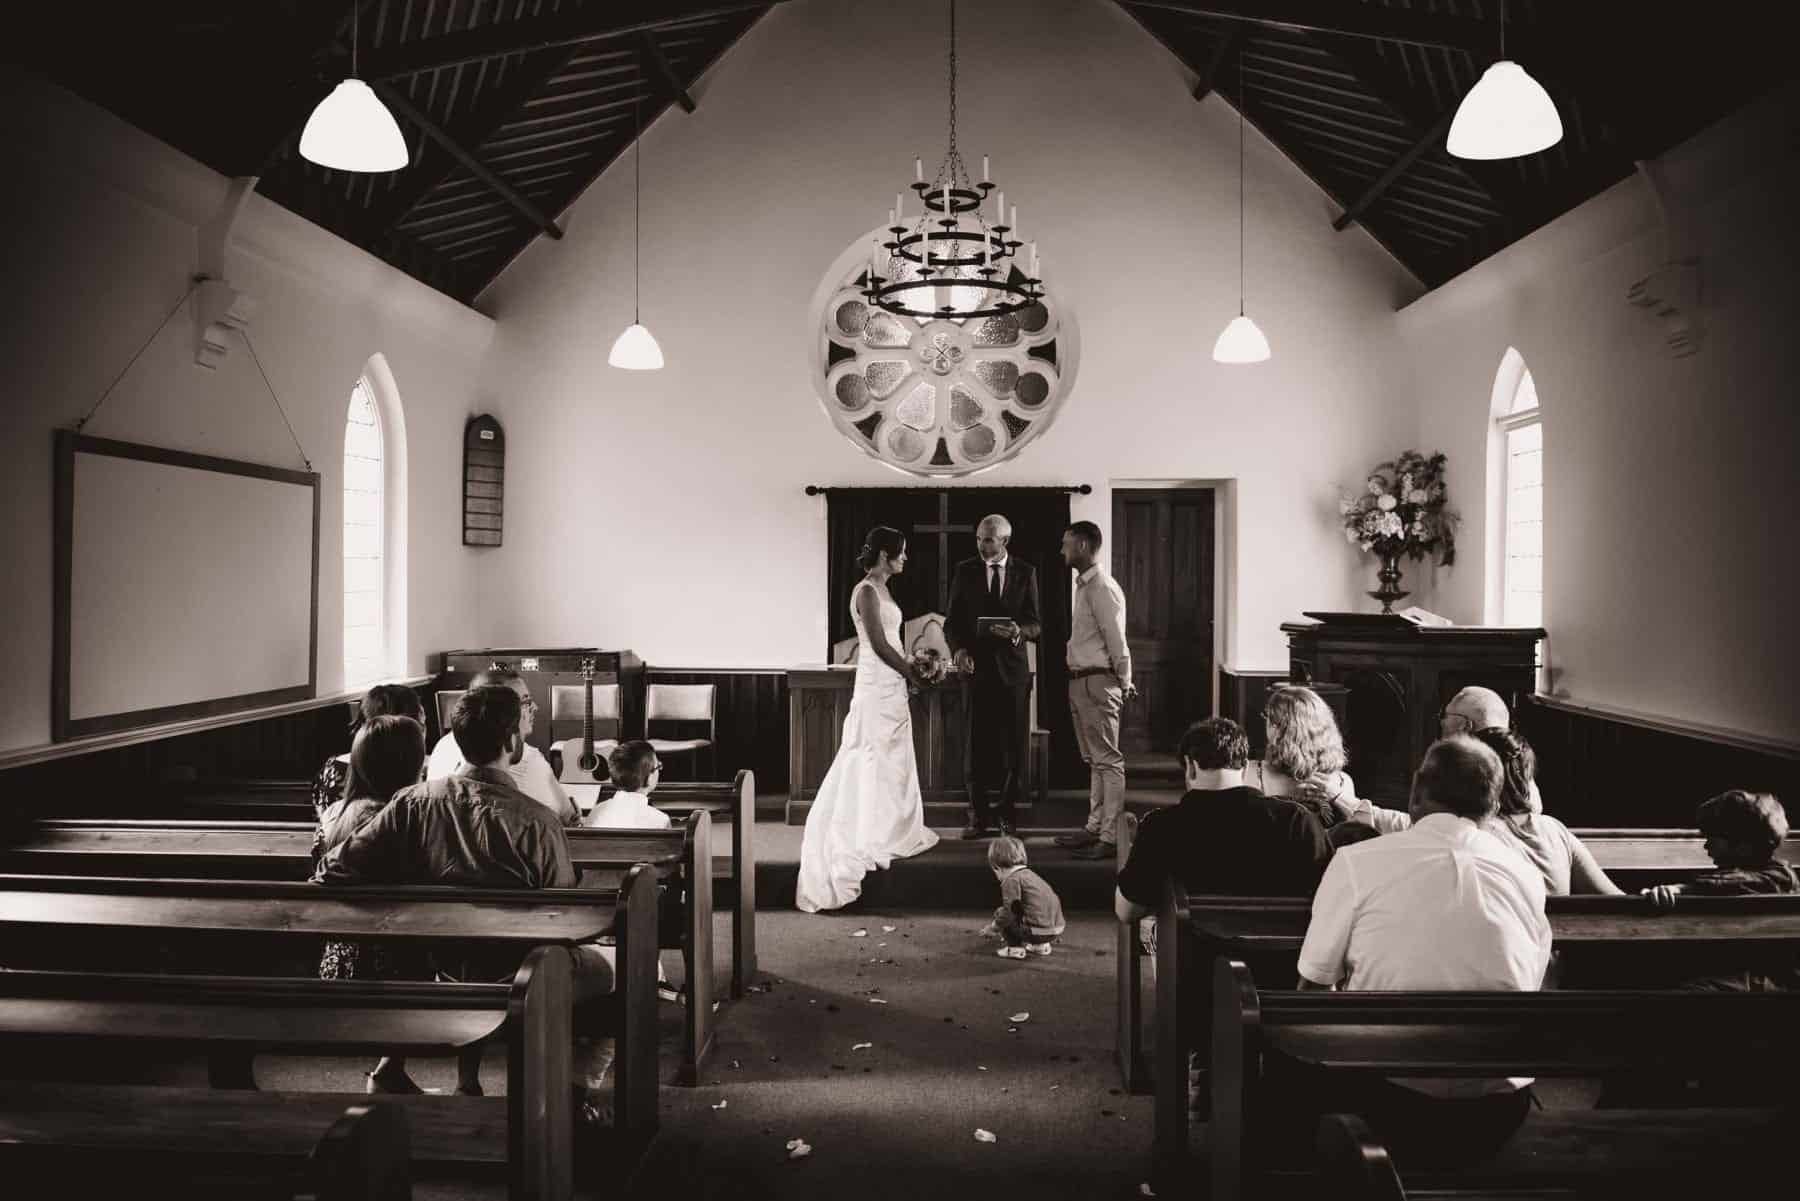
(593, 343)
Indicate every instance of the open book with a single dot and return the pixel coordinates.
(1423, 617)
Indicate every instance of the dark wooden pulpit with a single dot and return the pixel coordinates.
(1397, 677)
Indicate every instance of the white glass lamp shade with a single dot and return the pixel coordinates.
(1507, 114)
(352, 130)
(636, 350)
(1241, 342)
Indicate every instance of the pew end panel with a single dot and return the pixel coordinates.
(1128, 1044)
(365, 1156)
(637, 1084)
(540, 1119)
(1354, 1164)
(697, 950)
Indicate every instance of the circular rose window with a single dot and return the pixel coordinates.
(936, 397)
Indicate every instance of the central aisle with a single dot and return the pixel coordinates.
(897, 1119)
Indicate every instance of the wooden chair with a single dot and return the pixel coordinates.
(689, 705)
(446, 703)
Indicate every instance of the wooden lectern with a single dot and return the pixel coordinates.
(1397, 676)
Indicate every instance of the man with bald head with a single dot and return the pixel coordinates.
(993, 613)
(1472, 710)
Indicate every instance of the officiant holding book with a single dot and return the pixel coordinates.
(993, 613)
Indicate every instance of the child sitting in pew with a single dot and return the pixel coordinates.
(635, 771)
(1743, 830)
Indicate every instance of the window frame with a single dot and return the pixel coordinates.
(1504, 425)
(378, 667)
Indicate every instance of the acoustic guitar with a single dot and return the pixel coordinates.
(581, 764)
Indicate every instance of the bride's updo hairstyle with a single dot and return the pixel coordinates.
(883, 539)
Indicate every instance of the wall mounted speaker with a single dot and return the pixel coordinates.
(484, 481)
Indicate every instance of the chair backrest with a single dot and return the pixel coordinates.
(565, 710)
(680, 702)
(446, 703)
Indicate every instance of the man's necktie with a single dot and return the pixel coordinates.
(994, 582)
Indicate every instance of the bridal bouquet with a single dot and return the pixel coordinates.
(1403, 510)
(929, 665)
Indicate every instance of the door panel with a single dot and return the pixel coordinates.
(1162, 556)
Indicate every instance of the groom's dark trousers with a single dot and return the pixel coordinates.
(998, 699)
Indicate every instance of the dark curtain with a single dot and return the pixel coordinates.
(1038, 516)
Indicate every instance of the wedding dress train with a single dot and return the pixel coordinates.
(868, 811)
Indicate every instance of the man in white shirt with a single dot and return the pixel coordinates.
(531, 772)
(634, 770)
(1444, 905)
(1099, 685)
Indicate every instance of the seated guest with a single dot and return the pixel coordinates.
(1567, 865)
(531, 772)
(1474, 709)
(388, 755)
(1443, 905)
(1304, 760)
(1224, 837)
(383, 700)
(475, 829)
(1743, 831)
(634, 770)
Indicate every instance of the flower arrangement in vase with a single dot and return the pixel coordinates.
(1402, 510)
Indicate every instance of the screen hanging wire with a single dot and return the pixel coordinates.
(192, 284)
(255, 358)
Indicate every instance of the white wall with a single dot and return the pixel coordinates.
(663, 511)
(1670, 484)
(101, 229)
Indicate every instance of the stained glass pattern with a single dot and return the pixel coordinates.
(938, 398)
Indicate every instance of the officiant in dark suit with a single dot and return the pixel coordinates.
(996, 586)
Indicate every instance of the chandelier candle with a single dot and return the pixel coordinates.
(934, 269)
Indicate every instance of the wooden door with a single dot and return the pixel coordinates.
(1162, 556)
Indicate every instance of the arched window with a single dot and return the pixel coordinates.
(365, 541)
(1519, 437)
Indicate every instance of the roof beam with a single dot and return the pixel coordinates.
(657, 66)
(1346, 20)
(1420, 111)
(476, 128)
(1228, 46)
(1395, 170)
(397, 101)
(542, 33)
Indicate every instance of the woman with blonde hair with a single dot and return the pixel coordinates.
(1304, 761)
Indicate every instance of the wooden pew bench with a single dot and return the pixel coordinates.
(1633, 858)
(1489, 1034)
(735, 801)
(530, 1130)
(363, 1154)
(219, 850)
(1271, 929)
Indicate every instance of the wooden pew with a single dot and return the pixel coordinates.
(530, 1129)
(282, 851)
(1488, 1034)
(291, 801)
(1263, 926)
(363, 1155)
(1633, 858)
(734, 801)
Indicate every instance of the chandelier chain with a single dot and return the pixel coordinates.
(637, 206)
(1240, 185)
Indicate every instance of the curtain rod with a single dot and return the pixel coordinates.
(822, 489)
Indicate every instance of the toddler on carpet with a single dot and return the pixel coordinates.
(1030, 916)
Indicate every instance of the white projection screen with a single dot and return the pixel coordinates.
(186, 586)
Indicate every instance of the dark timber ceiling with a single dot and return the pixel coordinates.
(512, 107)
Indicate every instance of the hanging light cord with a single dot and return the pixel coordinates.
(637, 205)
(1240, 185)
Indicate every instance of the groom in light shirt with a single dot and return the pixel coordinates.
(1099, 685)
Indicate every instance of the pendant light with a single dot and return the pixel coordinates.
(1241, 341)
(351, 130)
(1507, 114)
(636, 348)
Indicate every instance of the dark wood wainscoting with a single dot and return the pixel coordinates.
(138, 778)
(1605, 769)
(751, 718)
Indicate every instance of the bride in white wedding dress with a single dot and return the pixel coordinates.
(868, 811)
